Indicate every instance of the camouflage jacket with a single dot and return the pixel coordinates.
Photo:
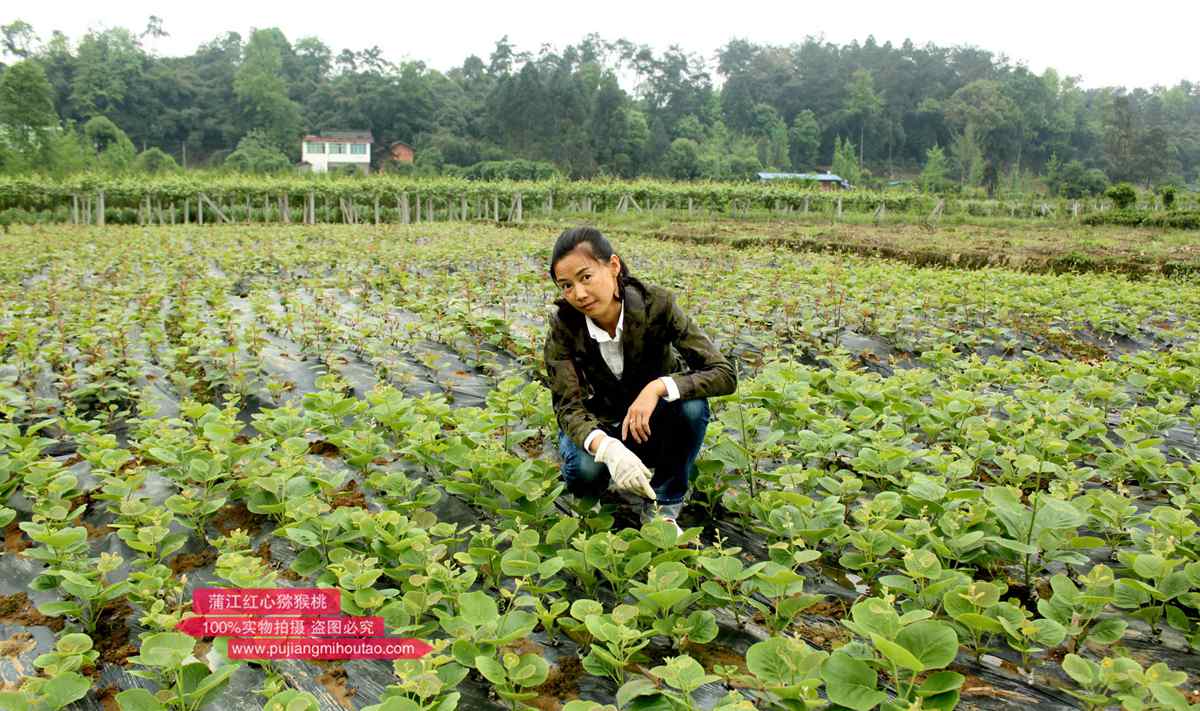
(657, 339)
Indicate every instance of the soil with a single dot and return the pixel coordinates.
(534, 446)
(561, 685)
(822, 636)
(324, 448)
(84, 500)
(712, 655)
(14, 539)
(828, 608)
(107, 696)
(264, 552)
(18, 644)
(18, 609)
(187, 562)
(234, 516)
(334, 681)
(1027, 597)
(94, 532)
(112, 634)
(349, 495)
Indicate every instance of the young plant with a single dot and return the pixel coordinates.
(784, 590)
(1079, 610)
(512, 674)
(683, 675)
(85, 581)
(185, 683)
(904, 648)
(616, 639)
(727, 578)
(479, 629)
(1121, 680)
(663, 601)
(426, 684)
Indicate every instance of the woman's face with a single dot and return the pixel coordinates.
(587, 283)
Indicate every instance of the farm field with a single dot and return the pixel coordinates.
(934, 487)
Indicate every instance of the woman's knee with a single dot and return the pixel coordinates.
(695, 414)
(579, 469)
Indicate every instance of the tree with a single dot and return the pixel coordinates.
(864, 105)
(26, 106)
(153, 161)
(804, 140)
(968, 154)
(262, 92)
(992, 121)
(1120, 139)
(111, 148)
(257, 153)
(682, 160)
(845, 163)
(933, 175)
(18, 39)
(108, 66)
(618, 130)
(771, 136)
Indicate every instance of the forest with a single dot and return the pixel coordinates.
(959, 117)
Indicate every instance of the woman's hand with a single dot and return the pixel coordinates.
(637, 418)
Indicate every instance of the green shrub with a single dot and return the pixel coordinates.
(512, 170)
(1123, 195)
(1189, 220)
(1168, 196)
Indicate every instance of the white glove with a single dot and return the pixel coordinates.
(628, 472)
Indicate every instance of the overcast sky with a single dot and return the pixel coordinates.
(1146, 45)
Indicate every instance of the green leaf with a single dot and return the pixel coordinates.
(1084, 673)
(581, 608)
(1107, 631)
(940, 683)
(65, 688)
(632, 689)
(165, 649)
(897, 654)
(702, 627)
(933, 642)
(478, 608)
(782, 661)
(876, 616)
(492, 670)
(519, 562)
(139, 700)
(850, 683)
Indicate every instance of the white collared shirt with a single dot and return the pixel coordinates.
(614, 358)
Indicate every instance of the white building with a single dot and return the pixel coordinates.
(331, 149)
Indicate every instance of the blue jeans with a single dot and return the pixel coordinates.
(676, 433)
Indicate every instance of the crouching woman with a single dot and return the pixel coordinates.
(630, 375)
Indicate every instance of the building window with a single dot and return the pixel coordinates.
(314, 147)
(336, 148)
(358, 149)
